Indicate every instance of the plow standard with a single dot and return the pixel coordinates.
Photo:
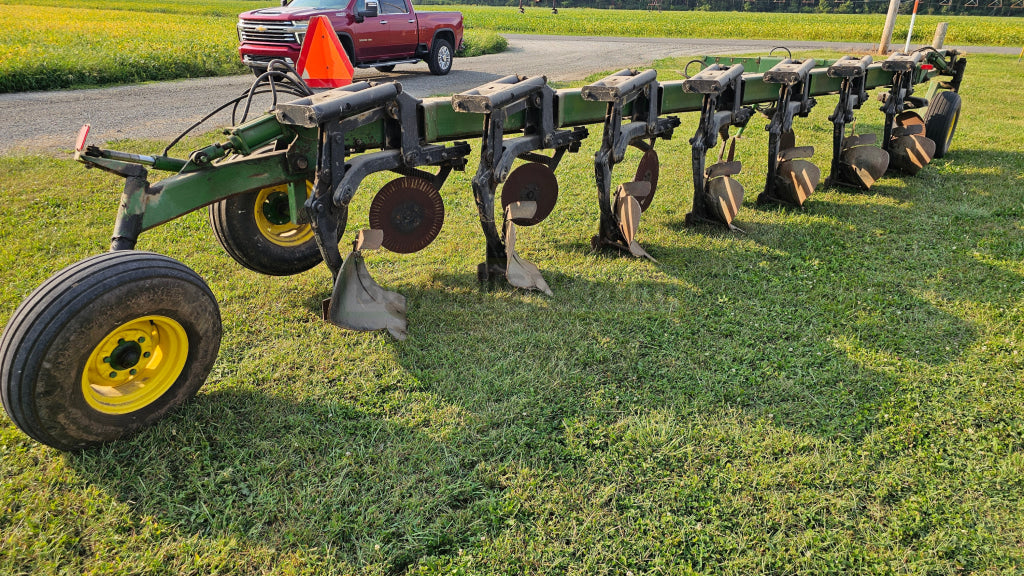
(112, 343)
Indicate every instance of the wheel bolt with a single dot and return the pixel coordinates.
(142, 339)
(113, 374)
(132, 371)
(106, 359)
(145, 354)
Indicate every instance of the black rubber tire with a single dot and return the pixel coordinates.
(234, 223)
(941, 119)
(47, 343)
(385, 69)
(441, 56)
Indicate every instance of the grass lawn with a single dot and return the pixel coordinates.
(838, 390)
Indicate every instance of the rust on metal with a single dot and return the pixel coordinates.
(647, 171)
(410, 212)
(531, 182)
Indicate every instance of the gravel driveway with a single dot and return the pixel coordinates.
(48, 121)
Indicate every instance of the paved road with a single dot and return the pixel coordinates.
(48, 121)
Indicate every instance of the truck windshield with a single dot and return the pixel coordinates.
(329, 4)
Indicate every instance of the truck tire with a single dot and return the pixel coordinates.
(941, 119)
(385, 69)
(255, 230)
(107, 347)
(440, 59)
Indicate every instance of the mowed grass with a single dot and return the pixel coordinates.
(836, 391)
(56, 44)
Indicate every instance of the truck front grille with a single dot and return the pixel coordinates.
(266, 33)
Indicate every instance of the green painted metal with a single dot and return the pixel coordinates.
(246, 161)
(185, 192)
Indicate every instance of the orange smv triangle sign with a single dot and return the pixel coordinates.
(323, 62)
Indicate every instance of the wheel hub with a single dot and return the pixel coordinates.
(127, 354)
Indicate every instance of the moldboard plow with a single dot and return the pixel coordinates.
(114, 342)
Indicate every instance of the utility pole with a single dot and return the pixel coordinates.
(890, 23)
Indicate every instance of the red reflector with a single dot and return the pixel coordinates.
(83, 133)
(927, 67)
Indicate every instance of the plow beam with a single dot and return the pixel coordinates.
(639, 91)
(791, 179)
(533, 184)
(716, 195)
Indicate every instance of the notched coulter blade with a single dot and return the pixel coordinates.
(358, 302)
(409, 211)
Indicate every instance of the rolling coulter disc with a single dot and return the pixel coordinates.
(410, 212)
(647, 171)
(531, 182)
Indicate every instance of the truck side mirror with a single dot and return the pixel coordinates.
(370, 11)
(285, 2)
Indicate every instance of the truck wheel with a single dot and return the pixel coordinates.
(255, 229)
(385, 69)
(440, 59)
(106, 347)
(941, 119)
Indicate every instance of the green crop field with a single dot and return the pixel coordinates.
(54, 44)
(838, 390)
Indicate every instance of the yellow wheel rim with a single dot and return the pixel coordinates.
(272, 218)
(135, 365)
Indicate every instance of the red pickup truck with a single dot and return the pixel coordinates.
(377, 33)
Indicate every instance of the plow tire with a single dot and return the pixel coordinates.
(941, 119)
(106, 347)
(265, 244)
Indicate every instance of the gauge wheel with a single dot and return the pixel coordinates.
(107, 347)
(256, 230)
(941, 119)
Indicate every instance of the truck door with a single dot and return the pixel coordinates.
(402, 34)
(369, 37)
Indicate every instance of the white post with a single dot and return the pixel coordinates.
(890, 22)
(940, 35)
(906, 49)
